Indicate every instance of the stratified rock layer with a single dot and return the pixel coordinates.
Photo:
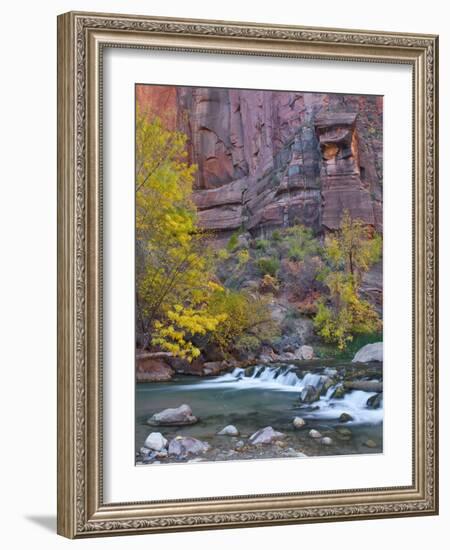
(270, 159)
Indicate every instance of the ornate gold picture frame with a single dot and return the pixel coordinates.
(82, 40)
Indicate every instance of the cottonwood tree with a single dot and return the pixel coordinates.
(174, 272)
(349, 253)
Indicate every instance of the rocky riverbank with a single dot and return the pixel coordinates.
(160, 367)
(261, 444)
(274, 410)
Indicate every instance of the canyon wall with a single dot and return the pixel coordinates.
(269, 159)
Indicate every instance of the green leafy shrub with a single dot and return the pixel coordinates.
(248, 344)
(233, 241)
(245, 315)
(223, 254)
(268, 266)
(276, 236)
(262, 244)
(299, 242)
(353, 316)
(349, 253)
(243, 257)
(295, 253)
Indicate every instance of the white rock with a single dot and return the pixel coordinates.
(173, 417)
(265, 436)
(156, 442)
(368, 353)
(315, 434)
(330, 372)
(305, 353)
(298, 423)
(326, 441)
(183, 446)
(229, 430)
(146, 452)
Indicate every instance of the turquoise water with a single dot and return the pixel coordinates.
(264, 396)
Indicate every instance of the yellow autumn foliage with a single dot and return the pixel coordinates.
(349, 253)
(174, 271)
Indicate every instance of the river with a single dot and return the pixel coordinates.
(263, 396)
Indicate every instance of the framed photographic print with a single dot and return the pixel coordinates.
(247, 283)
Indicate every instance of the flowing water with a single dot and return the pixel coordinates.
(262, 396)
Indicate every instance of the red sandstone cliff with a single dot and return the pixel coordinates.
(268, 159)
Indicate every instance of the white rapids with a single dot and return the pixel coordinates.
(288, 379)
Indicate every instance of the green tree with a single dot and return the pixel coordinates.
(349, 253)
(354, 248)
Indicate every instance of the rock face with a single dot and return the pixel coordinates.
(269, 159)
(340, 171)
(180, 416)
(370, 352)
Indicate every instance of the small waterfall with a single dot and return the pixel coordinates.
(353, 403)
(274, 377)
(287, 378)
(330, 392)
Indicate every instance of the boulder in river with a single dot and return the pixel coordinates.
(229, 430)
(156, 442)
(345, 432)
(314, 434)
(326, 441)
(299, 423)
(309, 394)
(181, 447)
(265, 436)
(180, 416)
(345, 417)
(370, 443)
(375, 401)
(369, 353)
